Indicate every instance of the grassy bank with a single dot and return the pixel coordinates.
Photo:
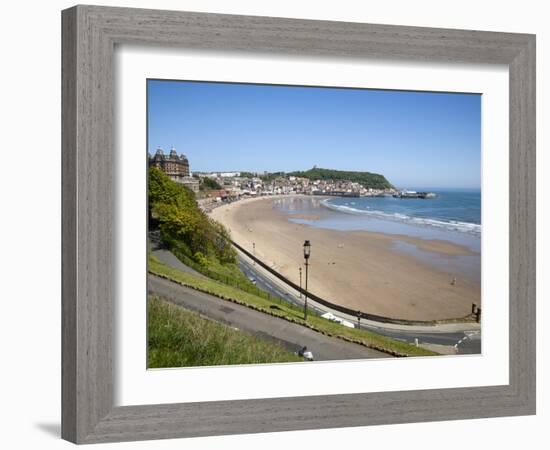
(180, 338)
(197, 240)
(287, 312)
(228, 273)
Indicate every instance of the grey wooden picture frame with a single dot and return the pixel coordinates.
(90, 34)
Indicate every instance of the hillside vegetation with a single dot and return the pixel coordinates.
(178, 337)
(207, 184)
(188, 232)
(366, 179)
(286, 311)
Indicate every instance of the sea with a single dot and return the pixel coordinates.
(454, 216)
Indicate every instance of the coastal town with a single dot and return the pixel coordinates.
(217, 187)
(274, 239)
(229, 232)
(214, 188)
(237, 184)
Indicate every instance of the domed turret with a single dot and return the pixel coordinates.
(174, 165)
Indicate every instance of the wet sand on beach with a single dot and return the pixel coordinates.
(359, 269)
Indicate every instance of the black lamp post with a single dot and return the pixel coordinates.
(307, 252)
(300, 292)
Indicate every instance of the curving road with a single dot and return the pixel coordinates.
(292, 336)
(451, 338)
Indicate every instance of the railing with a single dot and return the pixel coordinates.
(339, 308)
(259, 292)
(226, 279)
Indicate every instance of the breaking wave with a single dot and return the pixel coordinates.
(452, 225)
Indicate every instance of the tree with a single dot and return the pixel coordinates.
(180, 219)
(208, 184)
(366, 179)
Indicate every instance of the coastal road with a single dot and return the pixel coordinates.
(292, 336)
(464, 342)
(457, 341)
(266, 284)
(454, 340)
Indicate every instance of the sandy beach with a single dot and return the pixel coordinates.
(358, 269)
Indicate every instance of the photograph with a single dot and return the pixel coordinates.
(298, 224)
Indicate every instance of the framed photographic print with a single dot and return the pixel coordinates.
(278, 224)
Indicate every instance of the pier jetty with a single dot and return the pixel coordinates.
(414, 194)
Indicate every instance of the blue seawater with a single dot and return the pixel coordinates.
(454, 215)
(453, 210)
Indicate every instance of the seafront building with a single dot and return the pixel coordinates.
(234, 185)
(175, 166)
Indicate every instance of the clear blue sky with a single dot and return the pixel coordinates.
(415, 139)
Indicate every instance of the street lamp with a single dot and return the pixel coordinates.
(300, 291)
(254, 253)
(307, 253)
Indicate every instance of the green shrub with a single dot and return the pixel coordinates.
(180, 220)
(201, 259)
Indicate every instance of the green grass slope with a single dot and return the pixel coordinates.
(177, 337)
(287, 311)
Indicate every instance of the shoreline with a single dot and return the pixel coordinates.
(359, 269)
(427, 244)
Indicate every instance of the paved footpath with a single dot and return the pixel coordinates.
(292, 336)
(449, 338)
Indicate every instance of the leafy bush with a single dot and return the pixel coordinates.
(180, 219)
(207, 184)
(201, 259)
